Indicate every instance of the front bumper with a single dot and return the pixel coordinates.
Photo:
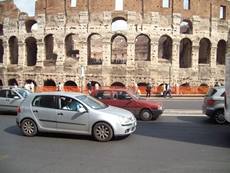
(126, 129)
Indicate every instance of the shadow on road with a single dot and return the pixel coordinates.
(197, 130)
(16, 131)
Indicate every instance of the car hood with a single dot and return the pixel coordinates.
(112, 110)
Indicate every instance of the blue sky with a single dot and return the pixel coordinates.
(27, 6)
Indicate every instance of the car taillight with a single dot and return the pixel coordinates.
(210, 102)
(18, 110)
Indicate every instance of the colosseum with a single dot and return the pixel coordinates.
(114, 42)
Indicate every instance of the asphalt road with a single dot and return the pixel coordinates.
(171, 144)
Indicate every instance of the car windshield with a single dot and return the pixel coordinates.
(23, 93)
(92, 102)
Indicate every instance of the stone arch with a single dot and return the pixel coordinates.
(119, 24)
(49, 82)
(28, 81)
(31, 49)
(95, 49)
(186, 27)
(12, 82)
(13, 47)
(1, 51)
(204, 51)
(221, 51)
(185, 58)
(165, 48)
(70, 83)
(51, 57)
(118, 85)
(142, 48)
(69, 46)
(93, 83)
(119, 49)
(1, 29)
(30, 25)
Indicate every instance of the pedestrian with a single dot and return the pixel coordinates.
(168, 90)
(148, 89)
(89, 87)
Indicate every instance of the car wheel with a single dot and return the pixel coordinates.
(219, 117)
(146, 115)
(102, 132)
(29, 127)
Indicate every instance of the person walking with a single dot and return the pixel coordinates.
(148, 89)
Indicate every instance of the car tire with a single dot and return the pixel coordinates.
(146, 115)
(219, 117)
(102, 132)
(29, 127)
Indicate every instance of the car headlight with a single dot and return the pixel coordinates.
(126, 121)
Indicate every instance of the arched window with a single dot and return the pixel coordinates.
(119, 49)
(165, 48)
(31, 50)
(13, 45)
(118, 85)
(69, 46)
(119, 24)
(95, 49)
(204, 51)
(51, 57)
(185, 53)
(49, 82)
(186, 27)
(1, 51)
(12, 82)
(221, 50)
(142, 48)
(30, 25)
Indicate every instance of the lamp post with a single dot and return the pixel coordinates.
(82, 75)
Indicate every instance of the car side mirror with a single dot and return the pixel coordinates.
(82, 110)
(16, 97)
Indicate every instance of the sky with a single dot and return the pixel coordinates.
(27, 6)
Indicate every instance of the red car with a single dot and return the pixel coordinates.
(141, 108)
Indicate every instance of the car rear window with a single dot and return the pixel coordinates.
(211, 92)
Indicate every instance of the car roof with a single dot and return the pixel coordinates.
(58, 93)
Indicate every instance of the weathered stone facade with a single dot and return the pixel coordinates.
(171, 44)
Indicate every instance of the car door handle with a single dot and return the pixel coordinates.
(35, 111)
(60, 113)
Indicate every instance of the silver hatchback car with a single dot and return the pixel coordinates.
(213, 104)
(11, 98)
(73, 113)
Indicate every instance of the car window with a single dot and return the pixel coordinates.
(211, 92)
(103, 95)
(23, 93)
(3, 93)
(123, 95)
(11, 94)
(70, 104)
(45, 101)
(91, 102)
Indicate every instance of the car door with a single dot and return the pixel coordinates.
(123, 100)
(69, 116)
(3, 100)
(45, 107)
(13, 100)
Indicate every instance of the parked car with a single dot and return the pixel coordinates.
(73, 113)
(10, 98)
(141, 108)
(213, 104)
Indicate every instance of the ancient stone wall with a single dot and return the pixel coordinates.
(62, 42)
